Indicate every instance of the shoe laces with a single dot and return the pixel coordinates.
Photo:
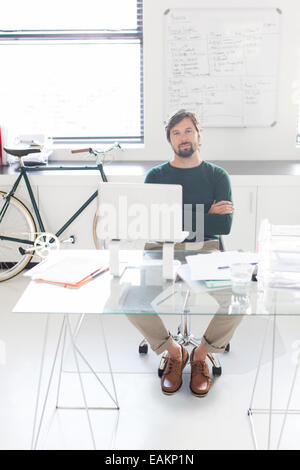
(200, 368)
(173, 365)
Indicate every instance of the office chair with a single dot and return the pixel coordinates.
(185, 337)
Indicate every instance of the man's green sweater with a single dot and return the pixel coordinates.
(203, 184)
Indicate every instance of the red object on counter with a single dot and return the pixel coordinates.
(1, 159)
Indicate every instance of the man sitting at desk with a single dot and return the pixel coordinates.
(202, 183)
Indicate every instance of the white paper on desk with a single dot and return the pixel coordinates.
(206, 266)
(200, 286)
(67, 266)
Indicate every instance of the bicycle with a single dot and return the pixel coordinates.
(22, 235)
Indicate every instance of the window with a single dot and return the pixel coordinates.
(296, 102)
(73, 70)
(298, 128)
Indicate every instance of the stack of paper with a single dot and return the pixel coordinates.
(285, 254)
(285, 280)
(184, 273)
(69, 269)
(279, 252)
(216, 265)
(285, 230)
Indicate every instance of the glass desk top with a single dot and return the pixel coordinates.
(141, 290)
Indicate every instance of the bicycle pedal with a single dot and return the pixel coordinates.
(27, 251)
(71, 240)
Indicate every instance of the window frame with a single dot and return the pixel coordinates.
(73, 35)
(298, 128)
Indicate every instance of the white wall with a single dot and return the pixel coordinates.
(275, 143)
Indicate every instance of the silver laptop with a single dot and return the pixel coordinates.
(140, 211)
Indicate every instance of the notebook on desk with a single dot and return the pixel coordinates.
(67, 269)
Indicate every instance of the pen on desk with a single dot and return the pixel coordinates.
(98, 272)
(93, 275)
(88, 278)
(227, 267)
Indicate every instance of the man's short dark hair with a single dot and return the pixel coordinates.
(178, 117)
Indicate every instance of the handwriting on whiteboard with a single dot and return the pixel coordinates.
(223, 65)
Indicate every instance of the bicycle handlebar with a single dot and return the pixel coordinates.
(80, 150)
(97, 152)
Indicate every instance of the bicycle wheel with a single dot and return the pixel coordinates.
(99, 244)
(17, 222)
(96, 241)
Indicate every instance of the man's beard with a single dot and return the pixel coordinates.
(185, 152)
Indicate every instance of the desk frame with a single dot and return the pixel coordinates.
(271, 411)
(65, 330)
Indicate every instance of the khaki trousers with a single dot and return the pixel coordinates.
(217, 335)
(215, 339)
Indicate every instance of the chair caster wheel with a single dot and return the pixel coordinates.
(227, 349)
(217, 371)
(161, 368)
(143, 349)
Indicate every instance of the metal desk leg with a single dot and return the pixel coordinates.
(113, 397)
(76, 354)
(64, 330)
(36, 435)
(270, 410)
(81, 383)
(250, 409)
(272, 382)
(287, 409)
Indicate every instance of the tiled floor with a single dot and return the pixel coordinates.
(147, 419)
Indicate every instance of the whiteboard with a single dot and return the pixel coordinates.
(223, 64)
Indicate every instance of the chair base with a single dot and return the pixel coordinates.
(186, 338)
(194, 341)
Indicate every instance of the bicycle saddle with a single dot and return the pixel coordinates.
(21, 151)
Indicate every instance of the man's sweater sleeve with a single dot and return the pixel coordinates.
(151, 177)
(219, 224)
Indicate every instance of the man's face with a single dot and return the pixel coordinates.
(184, 138)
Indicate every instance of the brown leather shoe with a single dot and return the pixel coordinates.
(171, 380)
(200, 379)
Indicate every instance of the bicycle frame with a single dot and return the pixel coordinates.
(23, 174)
